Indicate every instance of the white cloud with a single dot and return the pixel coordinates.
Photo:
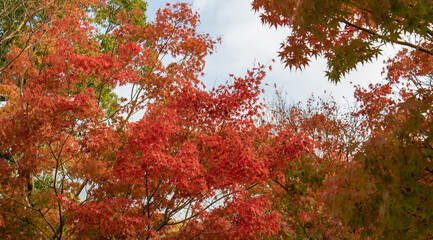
(203, 5)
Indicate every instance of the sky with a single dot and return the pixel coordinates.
(246, 41)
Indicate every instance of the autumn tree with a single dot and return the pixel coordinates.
(385, 190)
(347, 33)
(76, 164)
(21, 19)
(333, 134)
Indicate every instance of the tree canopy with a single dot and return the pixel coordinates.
(175, 160)
(347, 33)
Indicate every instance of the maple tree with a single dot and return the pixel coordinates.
(369, 172)
(384, 189)
(347, 33)
(177, 161)
(333, 136)
(76, 165)
(20, 17)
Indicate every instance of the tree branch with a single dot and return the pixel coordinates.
(386, 38)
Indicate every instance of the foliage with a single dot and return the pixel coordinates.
(74, 163)
(21, 19)
(334, 136)
(386, 191)
(383, 190)
(177, 161)
(347, 33)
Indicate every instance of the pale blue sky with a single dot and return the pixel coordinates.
(245, 41)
